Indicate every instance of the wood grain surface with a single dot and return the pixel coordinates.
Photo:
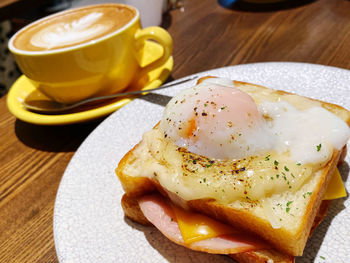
(206, 36)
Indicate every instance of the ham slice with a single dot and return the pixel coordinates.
(157, 210)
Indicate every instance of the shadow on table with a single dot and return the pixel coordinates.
(266, 7)
(65, 138)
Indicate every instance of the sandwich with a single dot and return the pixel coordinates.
(237, 169)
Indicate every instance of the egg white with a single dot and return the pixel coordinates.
(303, 135)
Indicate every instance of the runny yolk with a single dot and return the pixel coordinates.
(191, 128)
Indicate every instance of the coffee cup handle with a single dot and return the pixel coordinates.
(163, 38)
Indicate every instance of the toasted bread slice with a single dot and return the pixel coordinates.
(132, 211)
(290, 237)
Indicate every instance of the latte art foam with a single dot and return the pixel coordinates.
(73, 27)
(65, 34)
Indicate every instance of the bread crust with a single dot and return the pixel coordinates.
(133, 211)
(338, 110)
(262, 256)
(282, 240)
(234, 216)
(287, 244)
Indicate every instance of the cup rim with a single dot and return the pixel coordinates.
(18, 51)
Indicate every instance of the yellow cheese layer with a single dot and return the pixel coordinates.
(336, 187)
(195, 227)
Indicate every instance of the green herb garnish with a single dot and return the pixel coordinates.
(307, 193)
(275, 163)
(287, 206)
(319, 147)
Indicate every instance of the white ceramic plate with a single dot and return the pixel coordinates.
(89, 224)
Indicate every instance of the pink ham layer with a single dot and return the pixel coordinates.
(161, 215)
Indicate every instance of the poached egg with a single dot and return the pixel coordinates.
(217, 120)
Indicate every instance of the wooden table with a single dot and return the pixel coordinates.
(206, 36)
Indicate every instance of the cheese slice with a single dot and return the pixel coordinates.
(195, 227)
(335, 188)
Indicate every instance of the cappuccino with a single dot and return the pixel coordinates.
(73, 27)
(90, 51)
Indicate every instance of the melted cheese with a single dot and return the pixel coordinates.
(195, 227)
(193, 176)
(252, 178)
(335, 188)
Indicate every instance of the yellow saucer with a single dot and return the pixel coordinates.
(22, 88)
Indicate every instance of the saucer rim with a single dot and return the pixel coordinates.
(18, 110)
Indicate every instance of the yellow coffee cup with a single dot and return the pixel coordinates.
(89, 51)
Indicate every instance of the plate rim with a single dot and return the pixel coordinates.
(347, 71)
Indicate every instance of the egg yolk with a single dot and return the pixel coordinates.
(222, 108)
(215, 121)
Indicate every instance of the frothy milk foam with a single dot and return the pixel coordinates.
(73, 27)
(68, 33)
